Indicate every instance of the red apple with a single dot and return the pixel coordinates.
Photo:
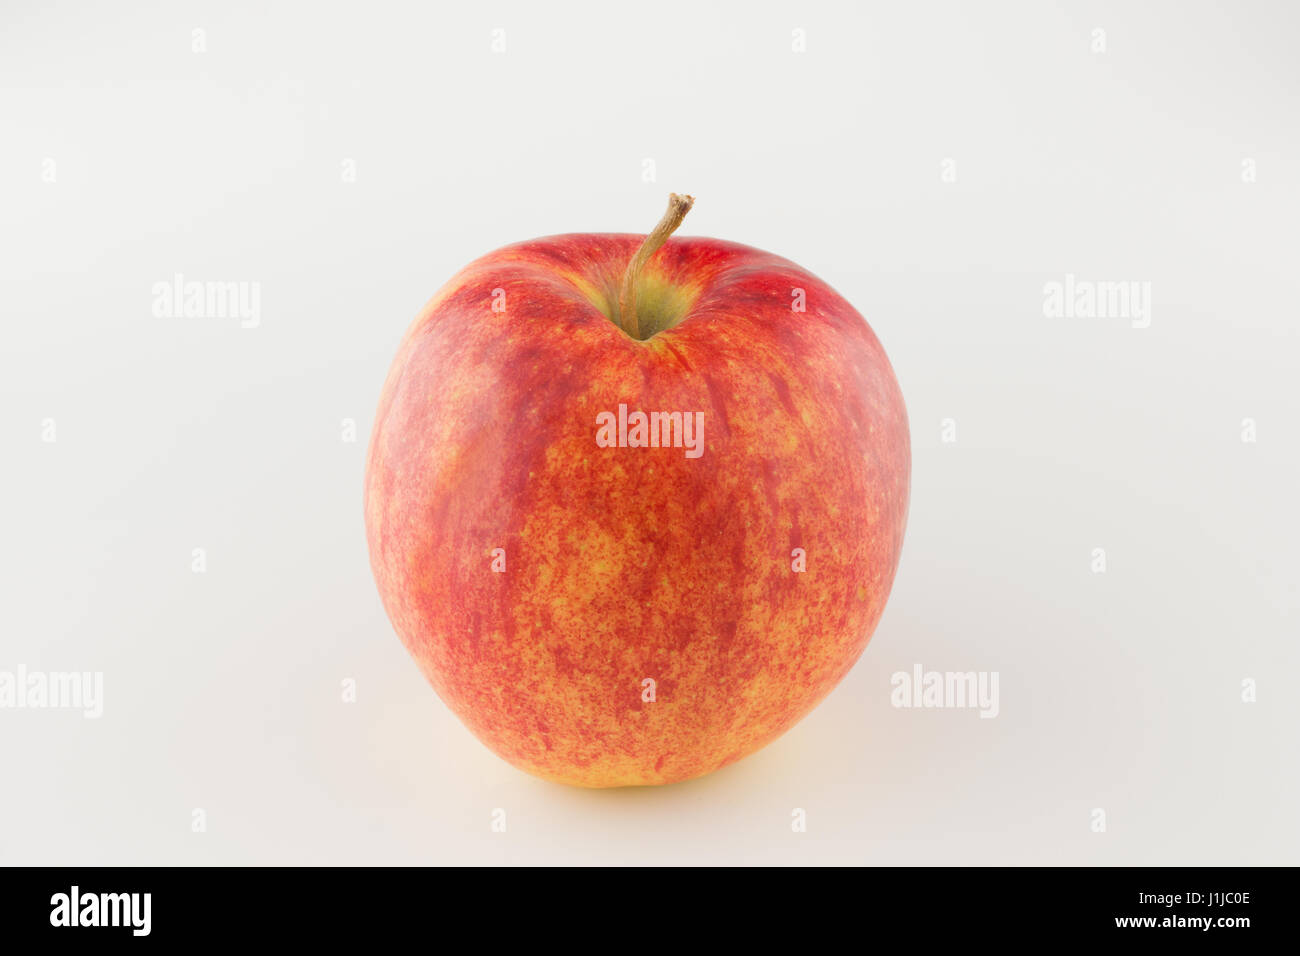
(607, 599)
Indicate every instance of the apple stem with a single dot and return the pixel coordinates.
(678, 207)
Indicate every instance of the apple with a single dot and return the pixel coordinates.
(635, 504)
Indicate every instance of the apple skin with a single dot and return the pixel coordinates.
(622, 564)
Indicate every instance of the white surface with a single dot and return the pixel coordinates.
(1119, 691)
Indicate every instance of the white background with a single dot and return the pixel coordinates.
(1120, 691)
